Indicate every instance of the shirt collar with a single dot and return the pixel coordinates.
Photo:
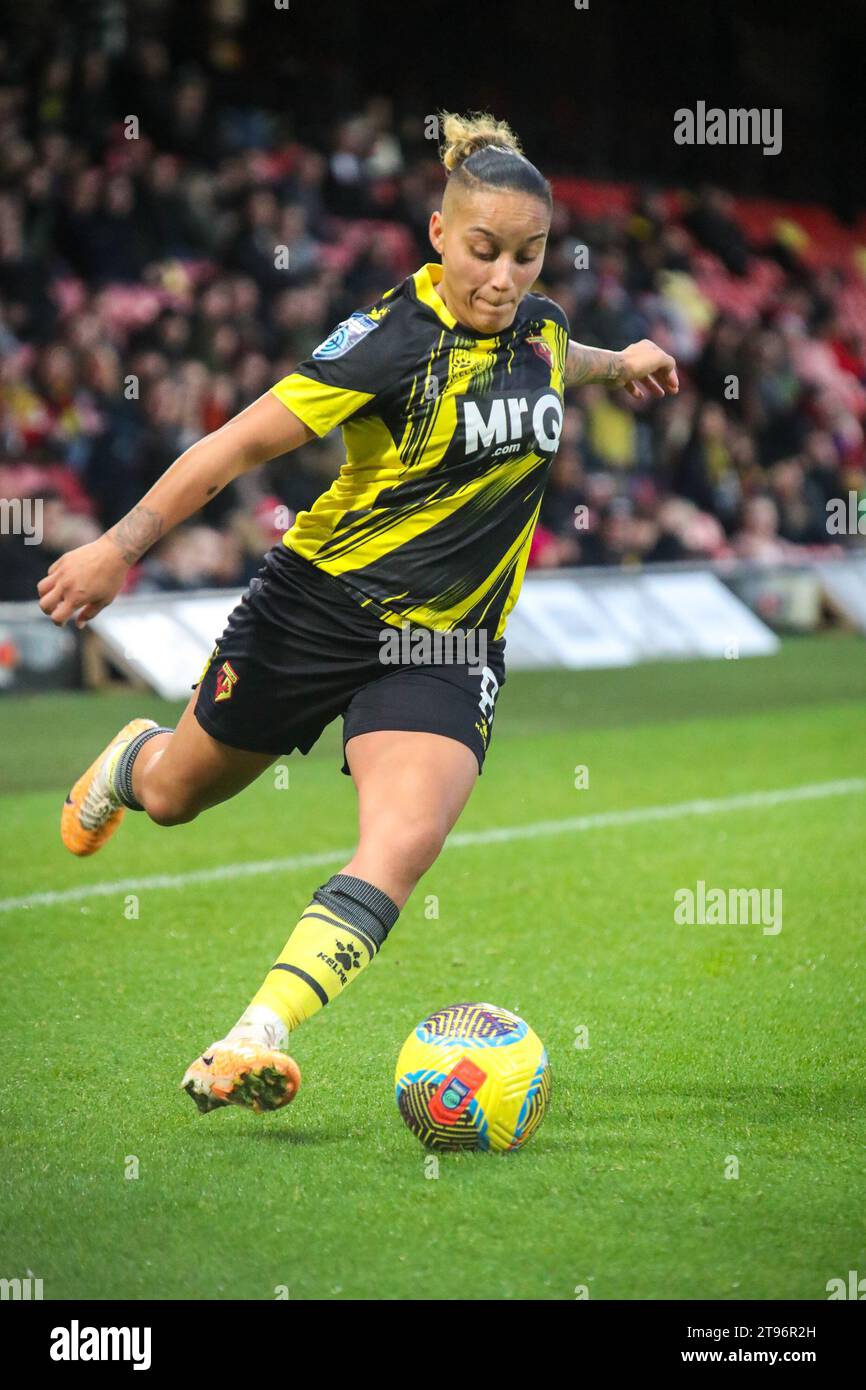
(426, 280)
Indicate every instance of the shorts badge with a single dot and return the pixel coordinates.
(227, 679)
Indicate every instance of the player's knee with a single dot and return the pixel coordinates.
(170, 807)
(417, 843)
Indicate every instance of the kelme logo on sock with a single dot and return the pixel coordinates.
(346, 957)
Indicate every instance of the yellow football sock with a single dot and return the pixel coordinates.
(337, 936)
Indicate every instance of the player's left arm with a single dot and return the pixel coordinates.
(641, 367)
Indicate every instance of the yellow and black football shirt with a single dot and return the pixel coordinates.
(449, 437)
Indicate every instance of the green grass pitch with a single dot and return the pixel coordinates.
(704, 1042)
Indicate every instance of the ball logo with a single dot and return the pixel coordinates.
(456, 1091)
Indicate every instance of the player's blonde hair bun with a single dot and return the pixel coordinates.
(461, 136)
(480, 152)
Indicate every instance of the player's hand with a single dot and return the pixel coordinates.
(82, 582)
(649, 366)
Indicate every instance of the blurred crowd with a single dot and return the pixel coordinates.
(166, 256)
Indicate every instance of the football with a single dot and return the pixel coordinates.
(473, 1076)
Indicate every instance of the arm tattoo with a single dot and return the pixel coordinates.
(586, 365)
(136, 533)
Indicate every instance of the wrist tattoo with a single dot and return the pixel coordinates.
(616, 370)
(136, 533)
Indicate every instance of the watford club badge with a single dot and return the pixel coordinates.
(541, 349)
(227, 679)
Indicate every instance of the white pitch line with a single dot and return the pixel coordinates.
(573, 824)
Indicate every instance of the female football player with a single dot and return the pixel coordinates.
(449, 392)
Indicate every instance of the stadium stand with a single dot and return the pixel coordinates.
(141, 307)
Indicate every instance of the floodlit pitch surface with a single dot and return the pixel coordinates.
(710, 1049)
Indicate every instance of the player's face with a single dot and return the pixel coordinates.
(492, 248)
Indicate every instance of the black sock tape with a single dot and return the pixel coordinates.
(123, 772)
(360, 904)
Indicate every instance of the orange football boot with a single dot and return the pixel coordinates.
(242, 1073)
(91, 812)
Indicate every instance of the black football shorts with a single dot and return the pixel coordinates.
(300, 649)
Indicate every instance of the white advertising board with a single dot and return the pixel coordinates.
(567, 619)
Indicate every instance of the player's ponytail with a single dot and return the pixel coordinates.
(478, 149)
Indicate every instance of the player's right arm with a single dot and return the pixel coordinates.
(85, 580)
